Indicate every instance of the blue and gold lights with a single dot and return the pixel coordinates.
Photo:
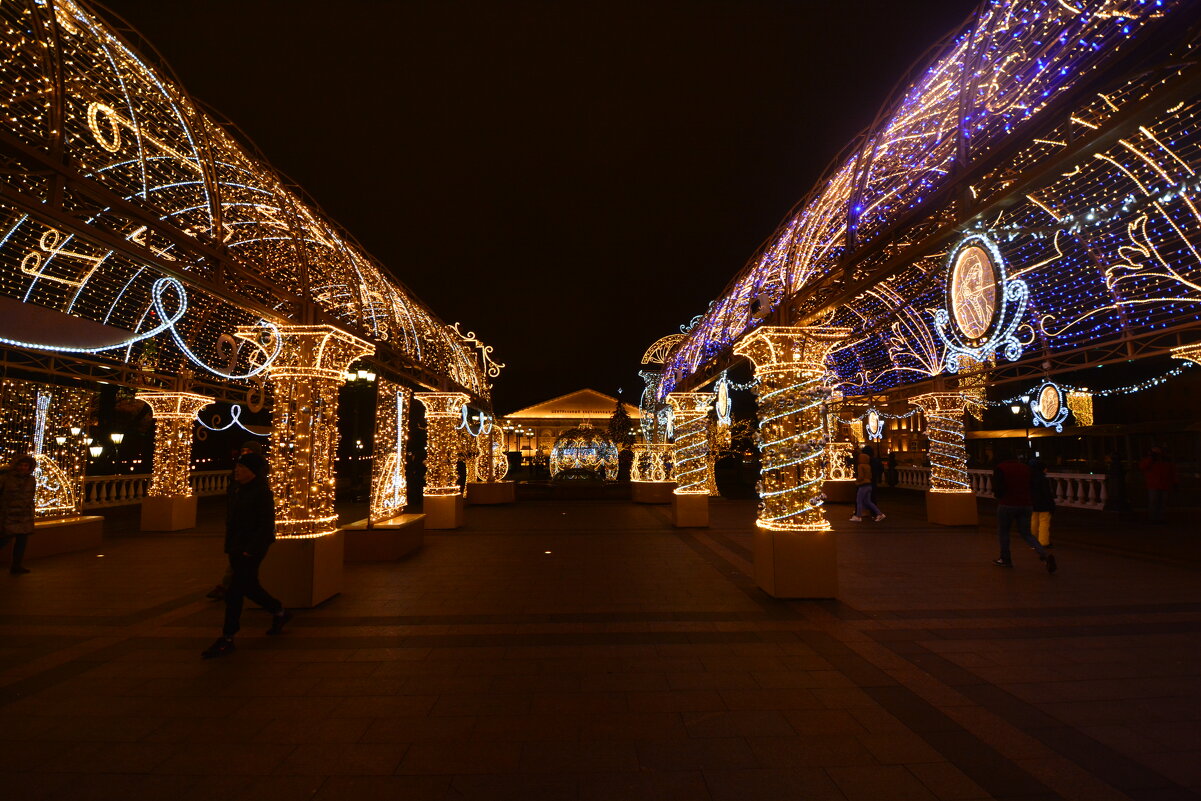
(790, 365)
(1049, 406)
(982, 306)
(690, 455)
(944, 426)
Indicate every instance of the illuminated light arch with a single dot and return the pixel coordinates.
(1024, 86)
(162, 189)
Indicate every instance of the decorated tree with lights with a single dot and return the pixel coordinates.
(620, 425)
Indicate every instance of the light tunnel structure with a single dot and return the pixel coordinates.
(1060, 139)
(125, 204)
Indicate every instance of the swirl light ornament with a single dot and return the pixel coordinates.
(948, 453)
(690, 454)
(584, 448)
(790, 365)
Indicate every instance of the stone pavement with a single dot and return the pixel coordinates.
(586, 650)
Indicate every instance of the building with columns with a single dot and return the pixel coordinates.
(537, 427)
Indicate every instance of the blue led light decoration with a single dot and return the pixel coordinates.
(873, 425)
(982, 305)
(1048, 406)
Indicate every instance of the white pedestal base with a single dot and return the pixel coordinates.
(690, 511)
(443, 511)
(488, 493)
(304, 572)
(385, 541)
(951, 508)
(169, 513)
(796, 564)
(652, 491)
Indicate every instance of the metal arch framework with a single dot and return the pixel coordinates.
(1066, 132)
(114, 179)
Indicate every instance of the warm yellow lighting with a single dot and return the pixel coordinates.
(443, 411)
(116, 437)
(304, 380)
(29, 413)
(1080, 403)
(944, 426)
(173, 413)
(389, 485)
(690, 454)
(650, 462)
(790, 365)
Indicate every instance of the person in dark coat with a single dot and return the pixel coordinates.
(217, 593)
(17, 489)
(249, 532)
(1011, 487)
(1042, 501)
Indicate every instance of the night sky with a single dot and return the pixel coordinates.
(569, 179)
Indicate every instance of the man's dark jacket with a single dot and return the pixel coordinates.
(250, 519)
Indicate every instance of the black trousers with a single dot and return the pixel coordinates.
(18, 547)
(245, 584)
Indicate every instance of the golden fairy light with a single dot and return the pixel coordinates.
(304, 381)
(650, 462)
(948, 453)
(690, 455)
(1080, 403)
(443, 411)
(790, 365)
(174, 413)
(389, 486)
(33, 418)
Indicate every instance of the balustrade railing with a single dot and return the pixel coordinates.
(126, 490)
(1079, 490)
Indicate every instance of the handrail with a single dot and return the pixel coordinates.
(125, 490)
(1077, 490)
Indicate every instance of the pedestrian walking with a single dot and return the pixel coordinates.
(1011, 486)
(1042, 502)
(1115, 484)
(217, 593)
(1159, 474)
(249, 532)
(863, 492)
(17, 489)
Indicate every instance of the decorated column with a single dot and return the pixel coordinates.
(169, 504)
(488, 465)
(794, 552)
(443, 412)
(950, 500)
(304, 567)
(387, 533)
(690, 457)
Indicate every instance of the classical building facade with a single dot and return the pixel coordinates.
(537, 427)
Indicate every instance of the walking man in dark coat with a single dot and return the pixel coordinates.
(1011, 486)
(249, 532)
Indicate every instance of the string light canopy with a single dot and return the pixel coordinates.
(169, 233)
(1093, 207)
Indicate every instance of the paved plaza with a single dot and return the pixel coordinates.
(588, 650)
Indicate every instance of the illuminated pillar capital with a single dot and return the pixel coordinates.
(790, 365)
(944, 427)
(691, 452)
(1190, 353)
(443, 411)
(173, 414)
(304, 379)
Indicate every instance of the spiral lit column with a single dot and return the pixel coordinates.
(950, 500)
(790, 365)
(794, 550)
(443, 412)
(169, 504)
(691, 449)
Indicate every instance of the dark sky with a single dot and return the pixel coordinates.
(570, 179)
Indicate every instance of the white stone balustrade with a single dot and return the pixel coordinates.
(1078, 490)
(126, 490)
